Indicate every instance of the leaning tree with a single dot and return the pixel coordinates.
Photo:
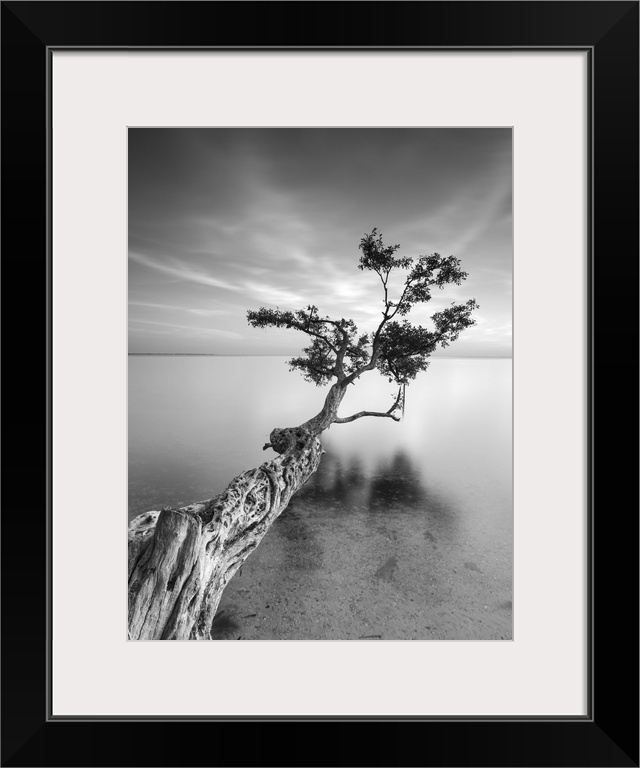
(180, 560)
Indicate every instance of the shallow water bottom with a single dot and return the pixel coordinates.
(404, 532)
(352, 570)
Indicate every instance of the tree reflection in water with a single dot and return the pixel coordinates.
(391, 487)
(367, 549)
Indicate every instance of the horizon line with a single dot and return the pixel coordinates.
(257, 354)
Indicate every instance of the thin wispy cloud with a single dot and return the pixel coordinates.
(226, 220)
(182, 271)
(173, 308)
(194, 328)
(273, 295)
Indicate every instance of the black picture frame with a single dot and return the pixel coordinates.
(608, 735)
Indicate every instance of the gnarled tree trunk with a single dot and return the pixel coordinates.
(180, 560)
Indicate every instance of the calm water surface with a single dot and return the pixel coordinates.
(197, 422)
(434, 489)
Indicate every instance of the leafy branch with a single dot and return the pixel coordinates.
(398, 349)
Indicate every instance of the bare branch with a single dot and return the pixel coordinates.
(299, 321)
(316, 335)
(360, 414)
(387, 414)
(328, 321)
(338, 368)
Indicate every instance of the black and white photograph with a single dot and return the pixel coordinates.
(325, 298)
(320, 384)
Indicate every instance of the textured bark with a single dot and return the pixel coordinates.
(180, 560)
(329, 412)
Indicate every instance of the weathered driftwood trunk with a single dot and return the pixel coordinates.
(180, 560)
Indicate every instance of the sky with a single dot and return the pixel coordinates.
(224, 220)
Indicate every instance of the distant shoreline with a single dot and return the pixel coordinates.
(196, 354)
(242, 354)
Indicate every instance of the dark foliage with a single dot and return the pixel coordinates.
(398, 349)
